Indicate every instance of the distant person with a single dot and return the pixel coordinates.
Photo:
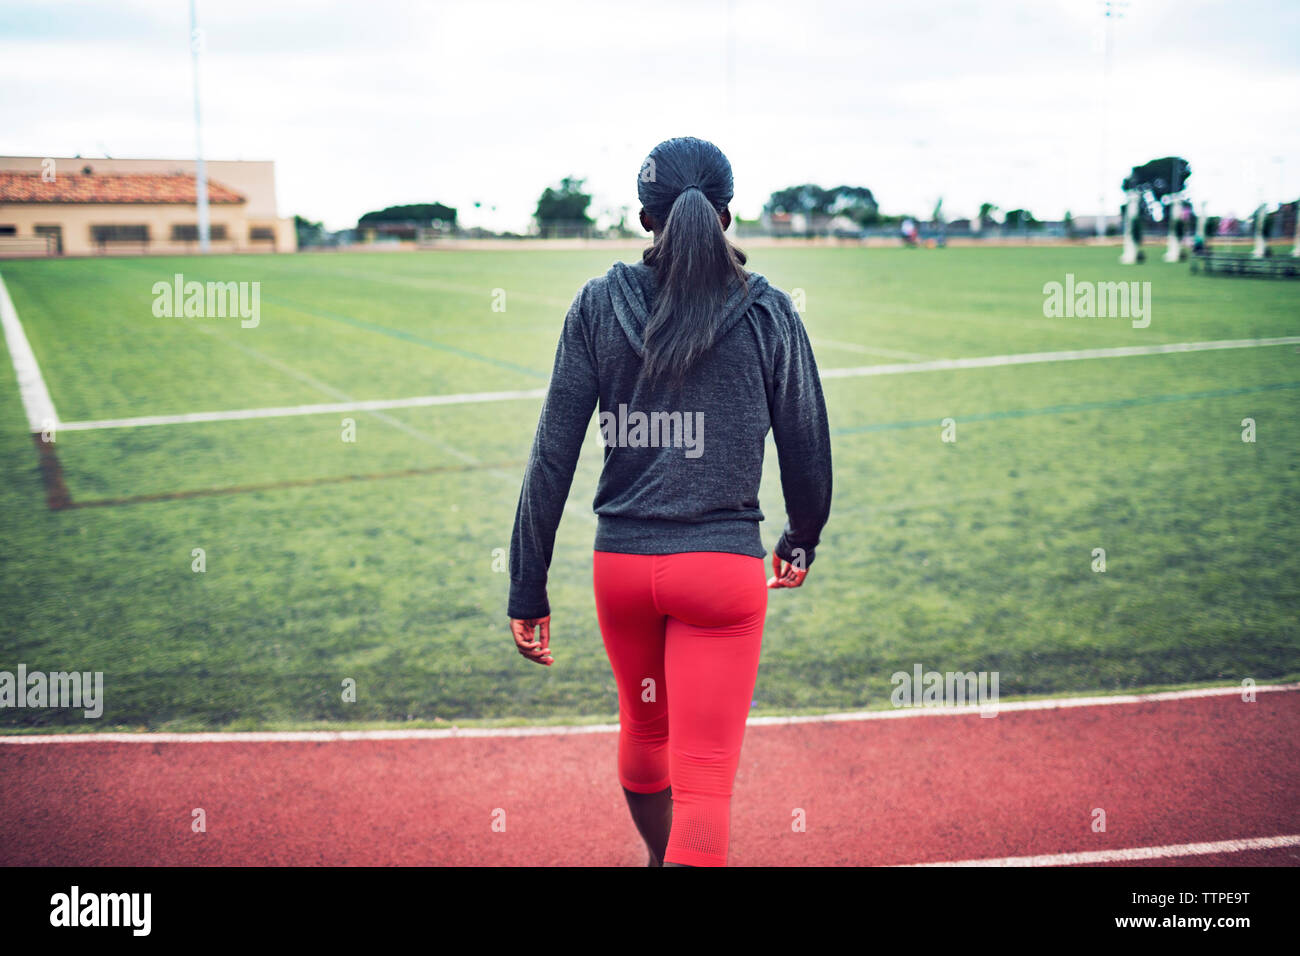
(909, 232)
(716, 356)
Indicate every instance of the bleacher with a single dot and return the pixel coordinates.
(1230, 264)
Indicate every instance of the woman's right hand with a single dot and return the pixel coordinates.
(785, 574)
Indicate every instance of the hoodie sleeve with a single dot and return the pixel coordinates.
(570, 398)
(803, 442)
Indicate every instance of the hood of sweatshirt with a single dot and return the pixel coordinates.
(632, 289)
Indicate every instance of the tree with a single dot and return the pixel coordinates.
(563, 206)
(1158, 178)
(856, 202)
(421, 214)
(308, 232)
(987, 209)
(1020, 219)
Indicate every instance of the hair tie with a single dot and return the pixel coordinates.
(692, 186)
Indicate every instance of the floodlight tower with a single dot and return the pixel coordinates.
(201, 170)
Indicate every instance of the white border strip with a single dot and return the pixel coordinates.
(1131, 853)
(31, 384)
(905, 368)
(327, 736)
(1033, 358)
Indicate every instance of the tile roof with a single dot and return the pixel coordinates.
(150, 188)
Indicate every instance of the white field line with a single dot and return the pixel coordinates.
(327, 389)
(868, 350)
(328, 736)
(987, 361)
(31, 384)
(421, 436)
(1131, 853)
(1033, 358)
(373, 405)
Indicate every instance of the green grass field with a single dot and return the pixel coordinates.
(374, 559)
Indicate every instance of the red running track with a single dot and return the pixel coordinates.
(918, 789)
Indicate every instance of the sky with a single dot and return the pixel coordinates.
(368, 104)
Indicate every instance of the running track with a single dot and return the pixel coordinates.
(925, 788)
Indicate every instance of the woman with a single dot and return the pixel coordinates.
(691, 360)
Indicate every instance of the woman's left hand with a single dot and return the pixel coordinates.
(534, 650)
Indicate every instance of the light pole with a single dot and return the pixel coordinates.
(1111, 10)
(201, 170)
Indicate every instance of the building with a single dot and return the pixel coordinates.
(1086, 225)
(82, 207)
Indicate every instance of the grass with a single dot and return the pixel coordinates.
(972, 555)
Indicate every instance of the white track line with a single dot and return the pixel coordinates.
(1132, 853)
(31, 384)
(987, 361)
(326, 736)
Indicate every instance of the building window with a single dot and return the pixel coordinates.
(261, 234)
(189, 232)
(53, 237)
(8, 230)
(102, 234)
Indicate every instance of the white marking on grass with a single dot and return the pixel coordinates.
(31, 384)
(401, 426)
(330, 390)
(1033, 358)
(1132, 853)
(470, 398)
(327, 736)
(868, 350)
(421, 401)
(441, 285)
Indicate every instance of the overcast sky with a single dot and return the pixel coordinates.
(369, 103)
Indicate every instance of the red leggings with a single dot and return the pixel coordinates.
(683, 633)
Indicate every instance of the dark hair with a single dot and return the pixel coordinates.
(684, 185)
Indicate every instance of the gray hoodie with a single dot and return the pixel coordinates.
(682, 465)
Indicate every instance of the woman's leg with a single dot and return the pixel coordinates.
(632, 629)
(653, 815)
(717, 604)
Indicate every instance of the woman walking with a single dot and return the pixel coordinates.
(691, 360)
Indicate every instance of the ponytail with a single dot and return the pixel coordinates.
(692, 258)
